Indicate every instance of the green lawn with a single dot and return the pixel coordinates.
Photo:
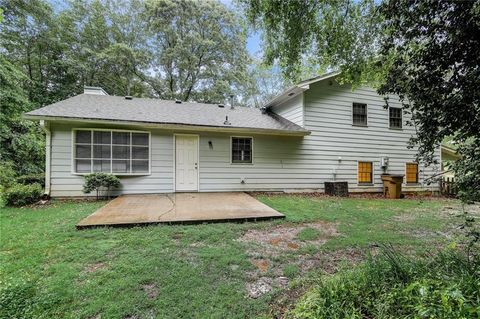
(51, 270)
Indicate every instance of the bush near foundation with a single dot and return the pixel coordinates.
(21, 195)
(99, 182)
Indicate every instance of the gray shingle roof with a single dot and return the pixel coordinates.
(116, 108)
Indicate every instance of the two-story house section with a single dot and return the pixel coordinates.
(354, 136)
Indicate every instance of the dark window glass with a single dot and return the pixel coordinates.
(395, 117)
(139, 166)
(83, 151)
(359, 114)
(84, 137)
(139, 152)
(101, 151)
(111, 152)
(121, 166)
(120, 152)
(121, 138)
(102, 137)
(139, 139)
(83, 166)
(101, 166)
(241, 150)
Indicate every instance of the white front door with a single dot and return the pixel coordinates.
(186, 163)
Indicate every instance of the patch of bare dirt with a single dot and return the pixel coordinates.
(284, 237)
(261, 264)
(264, 285)
(260, 287)
(271, 249)
(151, 290)
(94, 267)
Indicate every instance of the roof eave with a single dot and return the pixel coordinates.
(298, 88)
(172, 126)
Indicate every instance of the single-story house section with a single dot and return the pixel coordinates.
(314, 132)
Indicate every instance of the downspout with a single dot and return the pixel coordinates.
(48, 154)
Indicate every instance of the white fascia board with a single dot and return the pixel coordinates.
(174, 127)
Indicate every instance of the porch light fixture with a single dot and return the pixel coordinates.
(210, 145)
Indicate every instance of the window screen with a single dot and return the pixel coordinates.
(111, 152)
(241, 150)
(395, 117)
(359, 114)
(365, 172)
(412, 172)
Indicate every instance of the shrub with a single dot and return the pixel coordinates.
(21, 195)
(394, 286)
(31, 179)
(100, 181)
(7, 175)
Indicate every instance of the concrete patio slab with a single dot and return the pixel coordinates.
(130, 210)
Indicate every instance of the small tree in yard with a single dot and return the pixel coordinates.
(98, 181)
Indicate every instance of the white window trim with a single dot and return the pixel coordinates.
(73, 171)
(231, 150)
(373, 174)
(401, 118)
(366, 114)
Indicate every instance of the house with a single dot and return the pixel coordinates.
(449, 155)
(313, 132)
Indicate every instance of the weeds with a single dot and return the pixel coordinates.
(392, 285)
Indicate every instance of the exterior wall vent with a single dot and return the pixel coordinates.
(128, 97)
(178, 101)
(221, 105)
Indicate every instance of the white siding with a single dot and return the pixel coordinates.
(328, 113)
(64, 183)
(279, 163)
(300, 164)
(292, 110)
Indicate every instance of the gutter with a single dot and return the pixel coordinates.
(172, 126)
(48, 155)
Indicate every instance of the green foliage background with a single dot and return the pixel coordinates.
(168, 49)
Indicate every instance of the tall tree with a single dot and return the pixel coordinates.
(306, 37)
(21, 141)
(425, 51)
(431, 54)
(30, 40)
(198, 50)
(107, 43)
(266, 82)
